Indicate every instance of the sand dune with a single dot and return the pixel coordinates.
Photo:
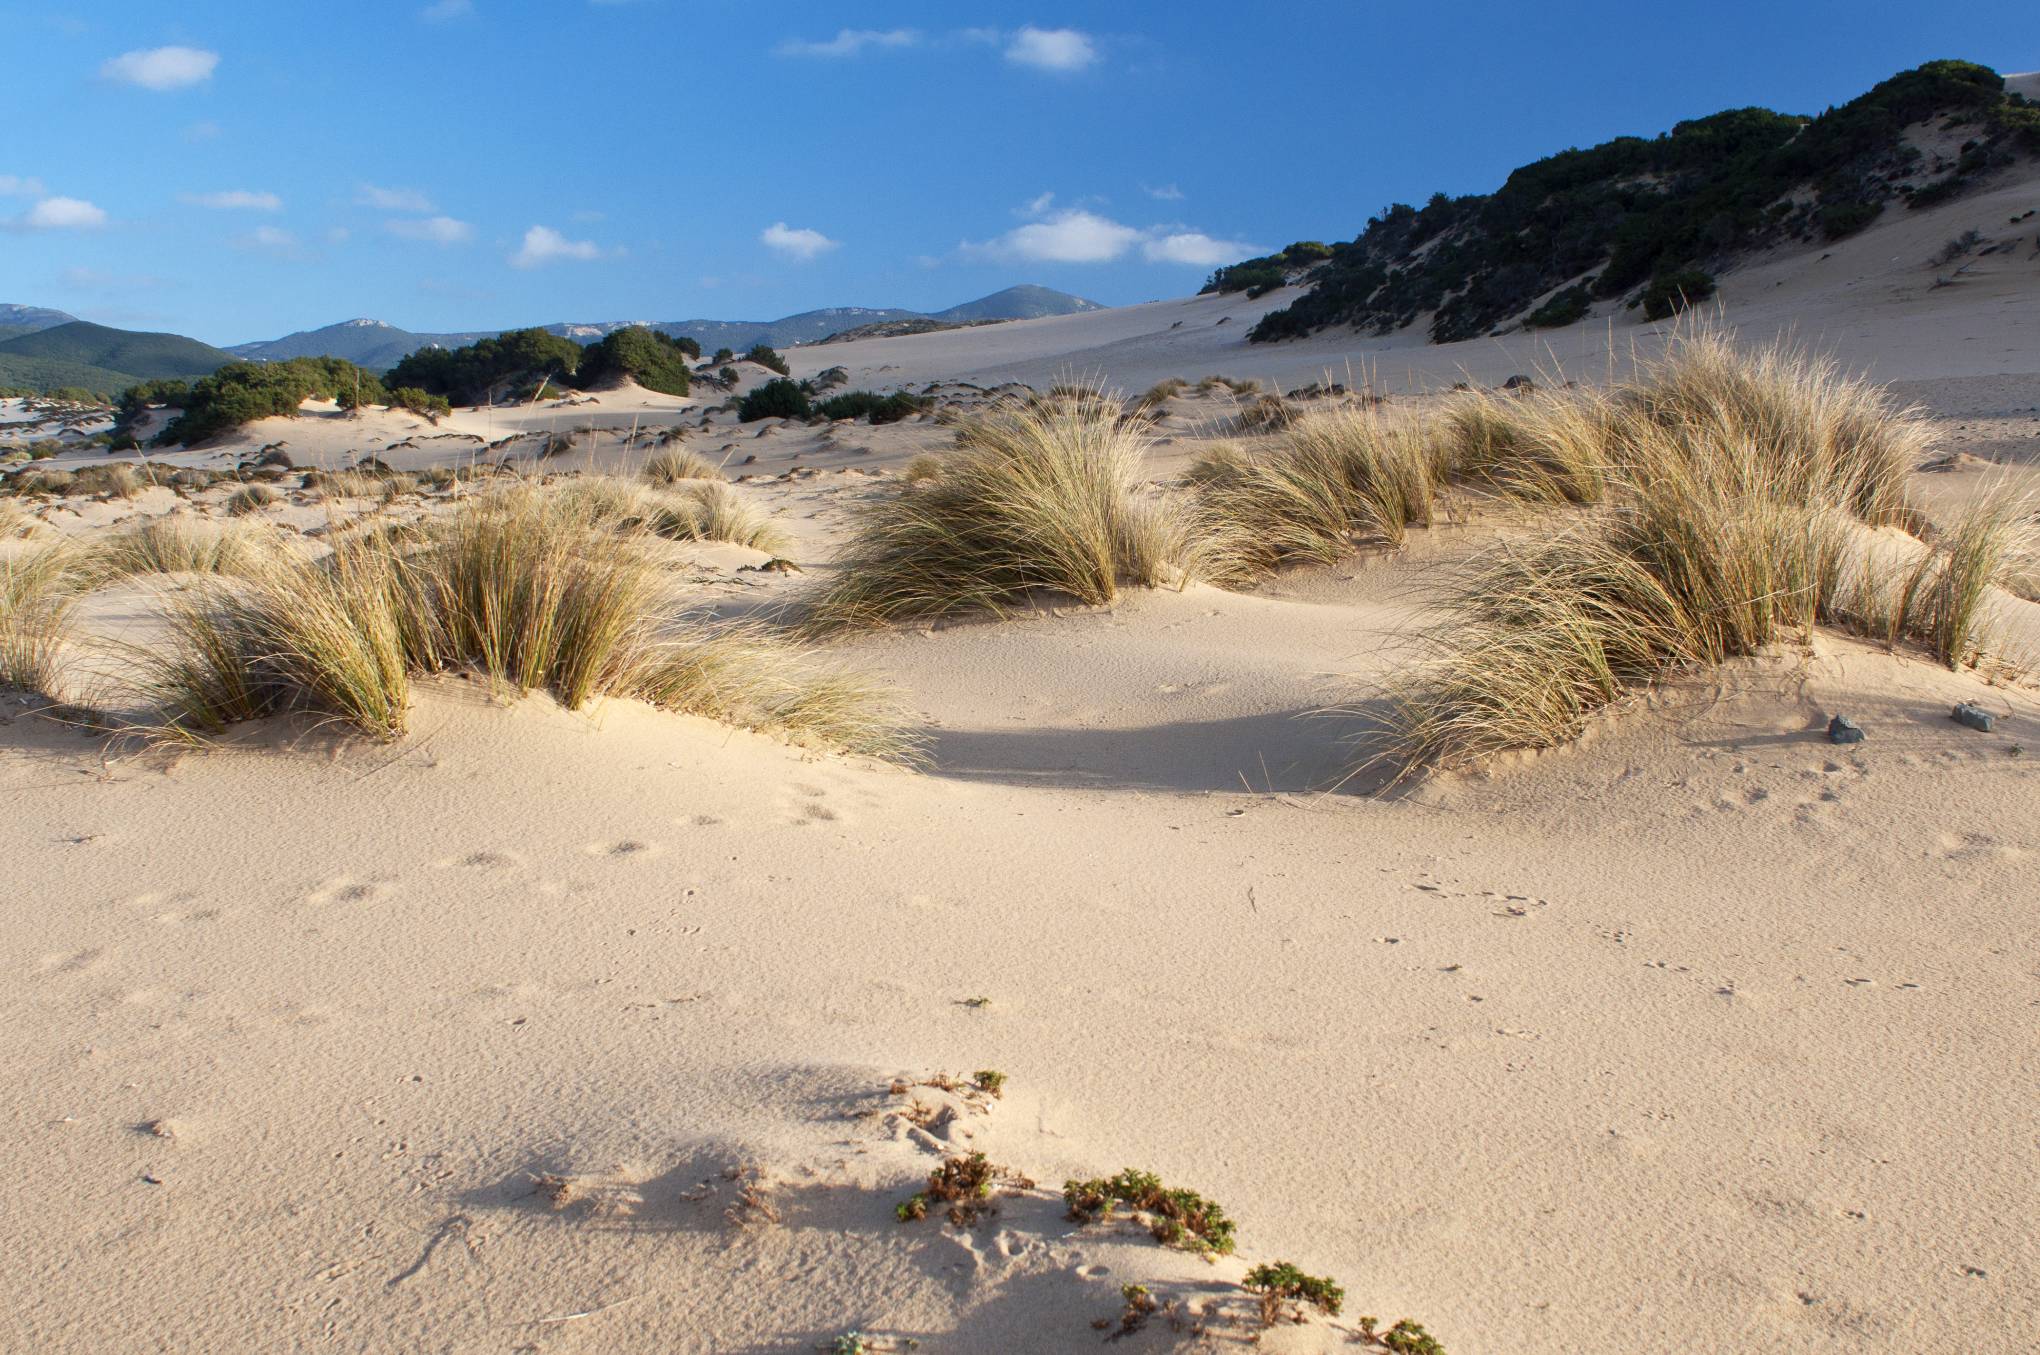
(556, 1031)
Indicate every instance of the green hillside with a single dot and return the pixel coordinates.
(1638, 220)
(118, 350)
(45, 375)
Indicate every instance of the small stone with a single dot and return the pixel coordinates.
(1974, 717)
(1842, 729)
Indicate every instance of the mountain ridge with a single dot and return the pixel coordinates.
(375, 343)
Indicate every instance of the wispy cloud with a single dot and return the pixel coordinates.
(269, 240)
(62, 214)
(800, 244)
(443, 11)
(16, 186)
(850, 42)
(202, 131)
(437, 230)
(1038, 206)
(235, 200)
(1075, 235)
(1052, 49)
(162, 68)
(1167, 192)
(392, 199)
(543, 245)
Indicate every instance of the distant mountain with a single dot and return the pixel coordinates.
(97, 358)
(28, 319)
(366, 343)
(371, 343)
(1025, 302)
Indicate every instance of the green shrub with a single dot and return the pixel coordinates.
(1567, 307)
(653, 360)
(242, 392)
(778, 398)
(484, 371)
(766, 357)
(433, 407)
(878, 408)
(1841, 219)
(1670, 293)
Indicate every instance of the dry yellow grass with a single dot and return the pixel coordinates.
(671, 467)
(1044, 494)
(39, 586)
(1338, 477)
(1707, 553)
(531, 588)
(182, 544)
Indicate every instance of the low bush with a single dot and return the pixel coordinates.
(242, 392)
(655, 361)
(878, 409)
(1567, 307)
(1669, 293)
(768, 357)
(778, 398)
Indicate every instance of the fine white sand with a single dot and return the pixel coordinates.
(1705, 1034)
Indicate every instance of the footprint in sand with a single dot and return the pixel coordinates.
(622, 849)
(483, 860)
(348, 889)
(70, 961)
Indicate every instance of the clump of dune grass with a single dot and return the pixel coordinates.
(691, 510)
(1340, 476)
(533, 590)
(744, 675)
(1545, 447)
(16, 521)
(250, 499)
(1040, 495)
(709, 510)
(1822, 436)
(39, 586)
(1701, 559)
(344, 484)
(181, 544)
(671, 467)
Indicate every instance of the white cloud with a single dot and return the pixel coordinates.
(437, 230)
(392, 199)
(1167, 192)
(1074, 235)
(800, 245)
(1197, 248)
(440, 11)
(543, 244)
(1038, 206)
(236, 200)
(64, 214)
(1070, 236)
(337, 235)
(1052, 49)
(850, 42)
(269, 239)
(162, 68)
(982, 36)
(15, 186)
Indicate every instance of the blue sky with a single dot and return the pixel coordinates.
(238, 170)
